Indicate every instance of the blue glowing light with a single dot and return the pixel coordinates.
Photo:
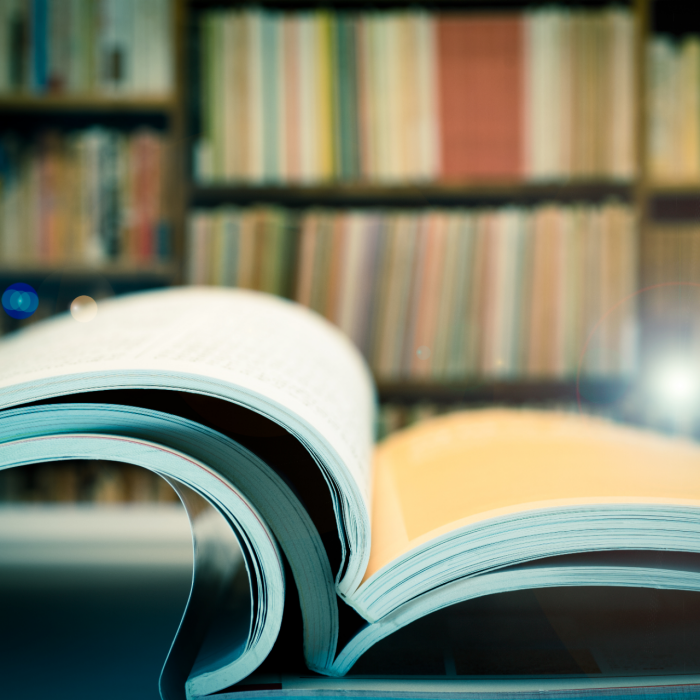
(20, 300)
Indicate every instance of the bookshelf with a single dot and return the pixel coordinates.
(652, 201)
(467, 193)
(52, 104)
(511, 392)
(179, 113)
(166, 272)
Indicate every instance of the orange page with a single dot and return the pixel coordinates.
(468, 467)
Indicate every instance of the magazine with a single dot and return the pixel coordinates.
(260, 414)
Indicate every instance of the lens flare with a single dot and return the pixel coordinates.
(83, 309)
(677, 383)
(20, 300)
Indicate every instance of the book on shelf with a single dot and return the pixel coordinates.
(671, 283)
(86, 47)
(415, 96)
(673, 131)
(249, 248)
(445, 295)
(259, 413)
(89, 196)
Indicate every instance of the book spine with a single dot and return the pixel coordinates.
(426, 343)
(624, 134)
(351, 272)
(292, 97)
(18, 44)
(490, 360)
(308, 125)
(428, 101)
(350, 134)
(162, 78)
(365, 103)
(307, 246)
(324, 26)
(5, 46)
(382, 88)
(195, 231)
(341, 100)
(383, 337)
(254, 90)
(74, 47)
(338, 235)
(39, 43)
(58, 22)
(270, 96)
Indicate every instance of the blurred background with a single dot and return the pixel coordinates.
(498, 202)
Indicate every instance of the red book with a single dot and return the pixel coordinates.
(480, 67)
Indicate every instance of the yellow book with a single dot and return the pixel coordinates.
(689, 94)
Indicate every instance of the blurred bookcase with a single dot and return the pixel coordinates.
(663, 205)
(90, 119)
(225, 194)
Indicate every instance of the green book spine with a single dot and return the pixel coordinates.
(205, 27)
(338, 88)
(347, 101)
(352, 100)
(270, 93)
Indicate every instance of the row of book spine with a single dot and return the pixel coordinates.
(401, 96)
(86, 46)
(83, 482)
(442, 295)
(89, 196)
(248, 248)
(671, 264)
(674, 109)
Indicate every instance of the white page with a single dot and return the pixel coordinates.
(274, 356)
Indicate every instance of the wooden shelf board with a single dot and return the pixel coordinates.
(673, 188)
(499, 391)
(85, 103)
(164, 271)
(415, 195)
(471, 5)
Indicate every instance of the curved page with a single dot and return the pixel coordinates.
(217, 665)
(498, 487)
(661, 570)
(256, 350)
(221, 585)
(273, 499)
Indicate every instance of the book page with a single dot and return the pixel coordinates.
(472, 466)
(260, 351)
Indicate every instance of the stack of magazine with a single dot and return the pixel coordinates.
(260, 414)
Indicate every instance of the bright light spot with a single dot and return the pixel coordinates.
(83, 309)
(677, 383)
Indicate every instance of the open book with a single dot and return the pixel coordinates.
(260, 414)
